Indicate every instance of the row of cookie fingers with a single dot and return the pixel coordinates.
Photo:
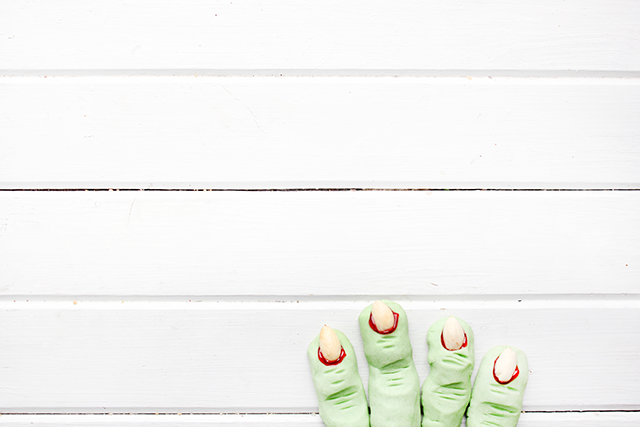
(395, 397)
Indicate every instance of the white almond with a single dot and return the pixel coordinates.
(329, 344)
(505, 365)
(453, 334)
(382, 316)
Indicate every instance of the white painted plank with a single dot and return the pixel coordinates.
(321, 35)
(210, 356)
(188, 132)
(629, 419)
(319, 243)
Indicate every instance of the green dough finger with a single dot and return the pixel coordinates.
(495, 404)
(447, 389)
(340, 392)
(394, 387)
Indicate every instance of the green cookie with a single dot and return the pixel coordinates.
(340, 392)
(394, 387)
(447, 389)
(495, 404)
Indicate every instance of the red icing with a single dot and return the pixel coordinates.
(513, 377)
(373, 326)
(331, 362)
(464, 343)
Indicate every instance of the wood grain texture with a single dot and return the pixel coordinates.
(319, 243)
(181, 356)
(320, 35)
(188, 132)
(291, 420)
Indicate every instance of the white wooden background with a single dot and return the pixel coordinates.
(190, 189)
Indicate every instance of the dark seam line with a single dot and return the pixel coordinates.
(312, 189)
(329, 72)
(291, 298)
(287, 413)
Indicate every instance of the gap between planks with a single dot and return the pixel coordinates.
(528, 419)
(568, 411)
(35, 187)
(429, 73)
(307, 302)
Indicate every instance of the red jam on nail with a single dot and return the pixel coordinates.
(331, 362)
(373, 326)
(513, 377)
(464, 343)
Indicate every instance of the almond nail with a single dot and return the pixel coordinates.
(382, 315)
(329, 344)
(453, 334)
(505, 366)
